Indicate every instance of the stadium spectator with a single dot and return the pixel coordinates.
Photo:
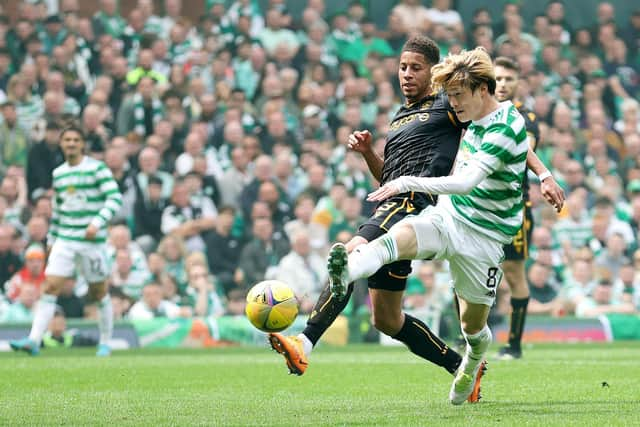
(148, 209)
(261, 255)
(116, 160)
(107, 20)
(173, 251)
(544, 297)
(187, 220)
(223, 250)
(602, 302)
(152, 305)
(31, 274)
(201, 292)
(303, 269)
(125, 277)
(413, 16)
(149, 166)
(10, 263)
(14, 140)
(43, 158)
(140, 112)
(303, 212)
(22, 309)
(350, 219)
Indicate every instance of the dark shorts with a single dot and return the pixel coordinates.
(392, 277)
(518, 250)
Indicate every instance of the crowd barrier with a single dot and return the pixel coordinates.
(236, 330)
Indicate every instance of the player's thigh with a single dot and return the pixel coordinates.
(423, 236)
(386, 310)
(94, 263)
(475, 264)
(61, 262)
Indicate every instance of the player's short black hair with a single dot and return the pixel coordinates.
(425, 46)
(508, 63)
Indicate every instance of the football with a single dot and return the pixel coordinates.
(271, 306)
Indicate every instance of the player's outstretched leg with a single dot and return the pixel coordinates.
(26, 345)
(338, 271)
(466, 385)
(292, 348)
(43, 314)
(105, 325)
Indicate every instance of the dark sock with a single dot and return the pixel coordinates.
(324, 313)
(518, 316)
(424, 343)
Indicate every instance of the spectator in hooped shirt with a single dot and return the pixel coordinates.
(153, 305)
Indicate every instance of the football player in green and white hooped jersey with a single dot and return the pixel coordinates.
(86, 197)
(483, 209)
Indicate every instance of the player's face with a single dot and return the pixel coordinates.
(414, 75)
(506, 83)
(468, 105)
(71, 144)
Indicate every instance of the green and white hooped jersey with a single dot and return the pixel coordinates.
(84, 194)
(497, 143)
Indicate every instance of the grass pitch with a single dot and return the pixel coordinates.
(563, 385)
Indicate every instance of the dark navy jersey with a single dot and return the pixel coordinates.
(422, 140)
(533, 131)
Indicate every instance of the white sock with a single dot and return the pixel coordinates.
(366, 259)
(43, 314)
(307, 345)
(105, 319)
(477, 345)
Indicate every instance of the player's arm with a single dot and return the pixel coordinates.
(550, 189)
(55, 221)
(361, 141)
(113, 201)
(461, 183)
(496, 148)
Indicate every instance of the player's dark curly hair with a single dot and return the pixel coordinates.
(72, 127)
(425, 46)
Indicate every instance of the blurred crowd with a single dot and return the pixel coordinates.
(227, 139)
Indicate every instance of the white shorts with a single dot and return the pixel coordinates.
(88, 259)
(474, 258)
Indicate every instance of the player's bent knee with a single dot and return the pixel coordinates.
(355, 242)
(406, 241)
(97, 291)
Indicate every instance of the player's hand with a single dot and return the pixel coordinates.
(360, 141)
(391, 188)
(552, 193)
(91, 232)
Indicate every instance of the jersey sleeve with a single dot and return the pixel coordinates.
(111, 194)
(55, 220)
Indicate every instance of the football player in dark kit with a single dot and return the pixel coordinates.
(422, 140)
(507, 76)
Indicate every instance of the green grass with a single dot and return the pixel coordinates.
(356, 385)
